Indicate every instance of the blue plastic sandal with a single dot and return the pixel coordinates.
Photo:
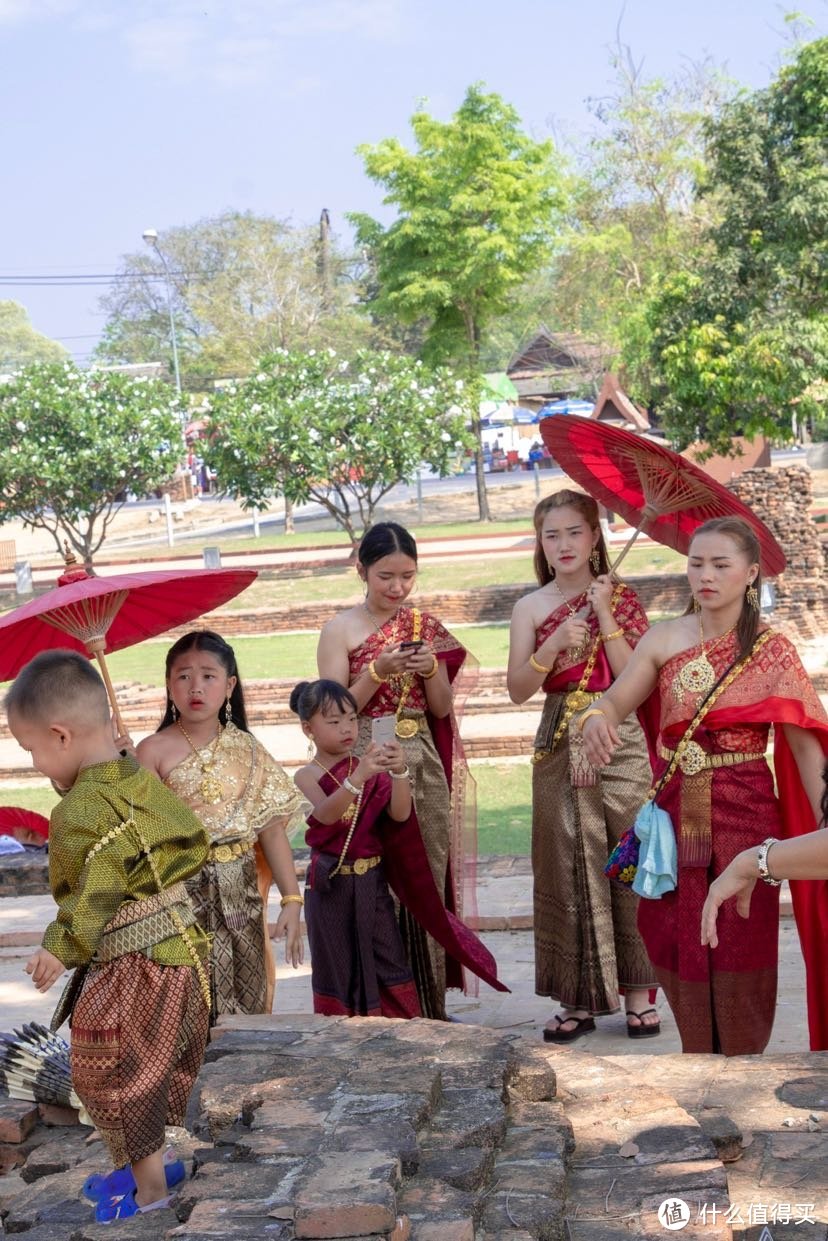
(110, 1209)
(99, 1188)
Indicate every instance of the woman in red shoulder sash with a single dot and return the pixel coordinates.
(721, 798)
(572, 637)
(402, 663)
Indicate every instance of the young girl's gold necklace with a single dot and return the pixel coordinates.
(353, 809)
(210, 787)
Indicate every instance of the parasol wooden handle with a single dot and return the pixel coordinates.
(97, 649)
(647, 513)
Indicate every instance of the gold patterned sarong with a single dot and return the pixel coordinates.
(587, 945)
(228, 897)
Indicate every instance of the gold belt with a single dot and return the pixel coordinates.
(577, 699)
(227, 853)
(360, 866)
(694, 759)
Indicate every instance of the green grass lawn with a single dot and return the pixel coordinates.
(289, 655)
(504, 805)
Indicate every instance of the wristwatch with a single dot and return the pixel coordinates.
(762, 862)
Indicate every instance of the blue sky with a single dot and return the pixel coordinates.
(119, 115)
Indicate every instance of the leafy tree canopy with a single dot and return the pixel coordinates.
(312, 426)
(20, 344)
(73, 442)
(478, 202)
(738, 343)
(242, 285)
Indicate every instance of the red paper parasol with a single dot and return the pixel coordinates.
(12, 817)
(652, 487)
(98, 614)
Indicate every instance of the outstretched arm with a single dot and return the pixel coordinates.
(805, 857)
(600, 730)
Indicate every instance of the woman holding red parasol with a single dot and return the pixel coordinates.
(722, 680)
(572, 637)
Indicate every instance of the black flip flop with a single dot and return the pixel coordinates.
(583, 1025)
(643, 1031)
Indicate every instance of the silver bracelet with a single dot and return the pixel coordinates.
(762, 861)
(352, 788)
(400, 775)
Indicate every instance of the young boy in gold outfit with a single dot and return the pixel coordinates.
(120, 847)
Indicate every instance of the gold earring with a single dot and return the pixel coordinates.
(551, 569)
(173, 711)
(595, 561)
(311, 748)
(228, 710)
(696, 605)
(752, 596)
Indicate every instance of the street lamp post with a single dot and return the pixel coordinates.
(150, 236)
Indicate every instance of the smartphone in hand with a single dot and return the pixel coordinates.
(383, 729)
(411, 646)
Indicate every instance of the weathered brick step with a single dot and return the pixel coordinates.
(313, 1127)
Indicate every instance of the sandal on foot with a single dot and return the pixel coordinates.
(583, 1025)
(642, 1030)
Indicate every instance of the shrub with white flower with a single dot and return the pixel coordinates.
(307, 427)
(72, 443)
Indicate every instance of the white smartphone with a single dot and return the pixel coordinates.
(382, 729)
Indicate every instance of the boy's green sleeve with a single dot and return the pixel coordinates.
(89, 878)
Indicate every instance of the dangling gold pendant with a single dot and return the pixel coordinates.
(697, 676)
(210, 788)
(349, 813)
(406, 729)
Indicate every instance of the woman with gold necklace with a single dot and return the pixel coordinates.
(401, 662)
(204, 752)
(722, 680)
(571, 638)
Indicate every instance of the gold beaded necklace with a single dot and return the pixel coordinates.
(210, 788)
(353, 810)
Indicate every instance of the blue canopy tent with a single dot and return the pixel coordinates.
(569, 405)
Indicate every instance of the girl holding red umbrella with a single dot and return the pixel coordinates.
(723, 678)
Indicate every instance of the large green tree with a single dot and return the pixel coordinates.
(477, 206)
(72, 443)
(738, 343)
(242, 285)
(20, 343)
(313, 426)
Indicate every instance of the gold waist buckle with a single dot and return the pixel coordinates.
(360, 866)
(694, 759)
(228, 853)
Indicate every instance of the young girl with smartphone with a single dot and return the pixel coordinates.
(363, 834)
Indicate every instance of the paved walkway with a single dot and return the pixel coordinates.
(499, 897)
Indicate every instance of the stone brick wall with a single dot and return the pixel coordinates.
(783, 498)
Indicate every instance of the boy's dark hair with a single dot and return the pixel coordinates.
(62, 681)
(212, 644)
(308, 697)
(384, 539)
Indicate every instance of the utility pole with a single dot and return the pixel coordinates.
(324, 261)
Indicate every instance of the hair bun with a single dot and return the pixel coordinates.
(295, 695)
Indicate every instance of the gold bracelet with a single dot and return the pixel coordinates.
(435, 668)
(538, 667)
(375, 676)
(292, 898)
(608, 637)
(587, 714)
